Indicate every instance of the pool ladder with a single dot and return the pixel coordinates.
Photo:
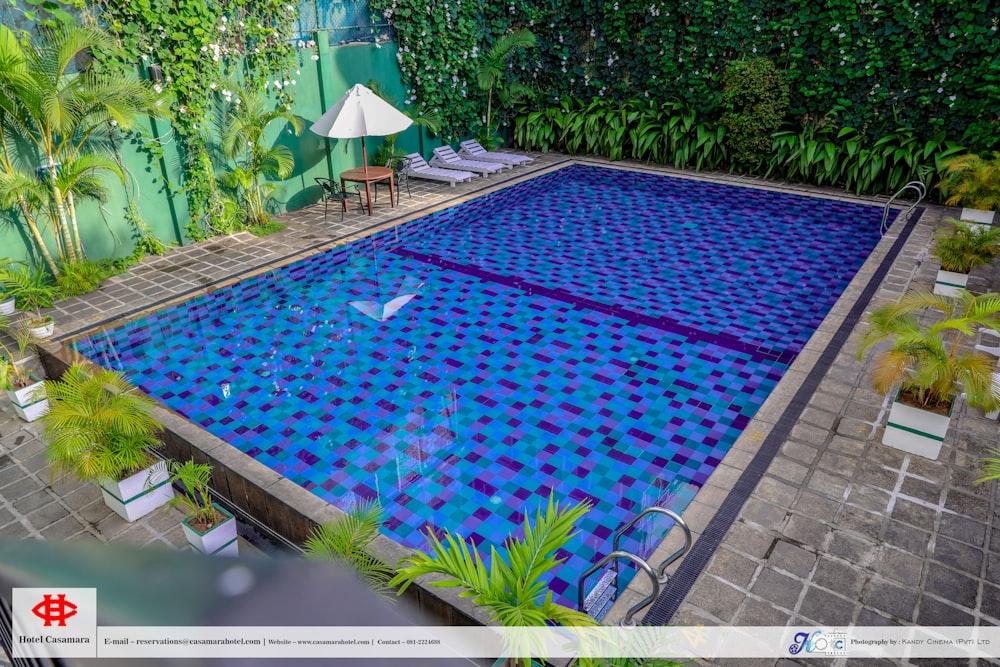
(916, 186)
(602, 596)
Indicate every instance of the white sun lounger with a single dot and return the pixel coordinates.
(473, 150)
(446, 158)
(417, 167)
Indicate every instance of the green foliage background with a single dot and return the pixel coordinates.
(870, 65)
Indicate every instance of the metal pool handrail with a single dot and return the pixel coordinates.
(661, 570)
(921, 191)
(657, 577)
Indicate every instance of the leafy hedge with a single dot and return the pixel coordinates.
(675, 134)
(873, 65)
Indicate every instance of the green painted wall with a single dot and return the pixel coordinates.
(107, 233)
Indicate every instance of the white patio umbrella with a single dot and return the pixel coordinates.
(360, 113)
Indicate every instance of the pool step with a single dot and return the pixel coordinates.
(600, 598)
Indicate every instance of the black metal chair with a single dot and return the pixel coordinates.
(332, 192)
(399, 176)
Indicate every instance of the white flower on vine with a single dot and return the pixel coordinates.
(157, 88)
(212, 86)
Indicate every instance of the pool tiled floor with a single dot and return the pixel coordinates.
(839, 530)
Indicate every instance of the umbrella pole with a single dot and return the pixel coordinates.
(364, 156)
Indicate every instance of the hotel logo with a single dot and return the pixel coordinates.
(50, 610)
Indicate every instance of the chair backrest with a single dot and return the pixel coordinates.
(417, 162)
(331, 188)
(447, 154)
(473, 147)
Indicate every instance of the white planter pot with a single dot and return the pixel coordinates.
(948, 282)
(30, 413)
(977, 216)
(7, 306)
(27, 395)
(219, 540)
(140, 494)
(915, 431)
(44, 331)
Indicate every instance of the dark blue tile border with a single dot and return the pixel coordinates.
(673, 594)
(755, 352)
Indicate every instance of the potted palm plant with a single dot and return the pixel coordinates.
(964, 248)
(7, 301)
(100, 429)
(32, 292)
(209, 528)
(25, 389)
(973, 181)
(929, 363)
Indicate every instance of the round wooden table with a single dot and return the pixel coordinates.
(369, 176)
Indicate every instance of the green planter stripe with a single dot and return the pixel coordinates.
(915, 431)
(941, 282)
(136, 496)
(224, 546)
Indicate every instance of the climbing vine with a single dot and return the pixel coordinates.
(869, 64)
(190, 48)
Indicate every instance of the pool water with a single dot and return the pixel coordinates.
(598, 334)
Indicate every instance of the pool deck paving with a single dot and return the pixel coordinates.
(838, 529)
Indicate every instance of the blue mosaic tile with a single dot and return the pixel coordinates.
(592, 333)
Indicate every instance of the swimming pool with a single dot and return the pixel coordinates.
(596, 333)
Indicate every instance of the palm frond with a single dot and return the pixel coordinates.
(346, 541)
(990, 467)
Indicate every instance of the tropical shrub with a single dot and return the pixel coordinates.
(973, 181)
(345, 541)
(419, 114)
(509, 582)
(966, 246)
(933, 362)
(98, 425)
(491, 79)
(754, 102)
(245, 117)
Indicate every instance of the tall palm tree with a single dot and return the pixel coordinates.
(244, 124)
(51, 117)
